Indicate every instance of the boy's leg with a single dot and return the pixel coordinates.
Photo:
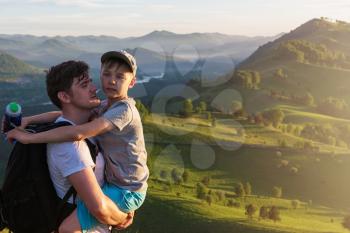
(70, 224)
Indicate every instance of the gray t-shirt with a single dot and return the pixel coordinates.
(124, 146)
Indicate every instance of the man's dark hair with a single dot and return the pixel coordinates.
(60, 78)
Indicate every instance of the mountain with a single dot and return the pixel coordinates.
(312, 61)
(45, 51)
(10, 65)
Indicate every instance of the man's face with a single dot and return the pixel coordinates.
(82, 93)
(116, 80)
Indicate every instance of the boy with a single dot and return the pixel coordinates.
(119, 133)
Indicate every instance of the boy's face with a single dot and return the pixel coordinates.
(82, 93)
(116, 79)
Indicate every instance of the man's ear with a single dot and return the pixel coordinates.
(63, 97)
(132, 83)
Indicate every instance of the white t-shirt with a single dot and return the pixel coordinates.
(67, 158)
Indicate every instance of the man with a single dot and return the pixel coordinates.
(70, 164)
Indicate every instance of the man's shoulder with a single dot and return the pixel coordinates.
(72, 148)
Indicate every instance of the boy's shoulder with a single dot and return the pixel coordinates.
(128, 105)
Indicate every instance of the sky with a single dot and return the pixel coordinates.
(125, 18)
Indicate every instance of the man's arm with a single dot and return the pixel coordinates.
(40, 118)
(63, 134)
(99, 205)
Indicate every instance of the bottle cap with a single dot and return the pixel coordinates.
(14, 107)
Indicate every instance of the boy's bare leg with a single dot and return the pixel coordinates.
(70, 224)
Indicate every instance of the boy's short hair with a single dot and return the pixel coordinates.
(111, 58)
(60, 78)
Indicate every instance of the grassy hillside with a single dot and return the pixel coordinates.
(322, 198)
(11, 66)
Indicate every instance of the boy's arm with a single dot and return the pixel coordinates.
(63, 134)
(40, 118)
(98, 204)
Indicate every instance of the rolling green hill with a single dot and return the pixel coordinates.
(313, 58)
(11, 66)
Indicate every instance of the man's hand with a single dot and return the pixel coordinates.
(128, 221)
(19, 135)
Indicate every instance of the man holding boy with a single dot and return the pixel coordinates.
(70, 89)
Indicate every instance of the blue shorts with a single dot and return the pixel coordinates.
(126, 201)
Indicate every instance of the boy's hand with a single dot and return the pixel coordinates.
(19, 135)
(128, 221)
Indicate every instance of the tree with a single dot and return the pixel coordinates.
(175, 175)
(295, 204)
(309, 99)
(201, 191)
(256, 79)
(280, 75)
(275, 116)
(250, 210)
(213, 122)
(185, 176)
(203, 106)
(188, 108)
(274, 214)
(209, 116)
(206, 180)
(220, 194)
(163, 174)
(248, 189)
(209, 199)
(198, 110)
(346, 222)
(258, 118)
(239, 190)
(236, 106)
(277, 192)
(144, 112)
(263, 213)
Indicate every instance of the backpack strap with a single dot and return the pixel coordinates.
(94, 150)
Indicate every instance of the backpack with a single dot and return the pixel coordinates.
(28, 199)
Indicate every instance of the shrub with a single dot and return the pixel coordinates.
(209, 199)
(220, 194)
(294, 170)
(295, 204)
(263, 213)
(206, 180)
(277, 192)
(247, 189)
(239, 190)
(201, 191)
(163, 174)
(274, 214)
(250, 210)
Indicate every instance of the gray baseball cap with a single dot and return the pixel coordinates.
(123, 55)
